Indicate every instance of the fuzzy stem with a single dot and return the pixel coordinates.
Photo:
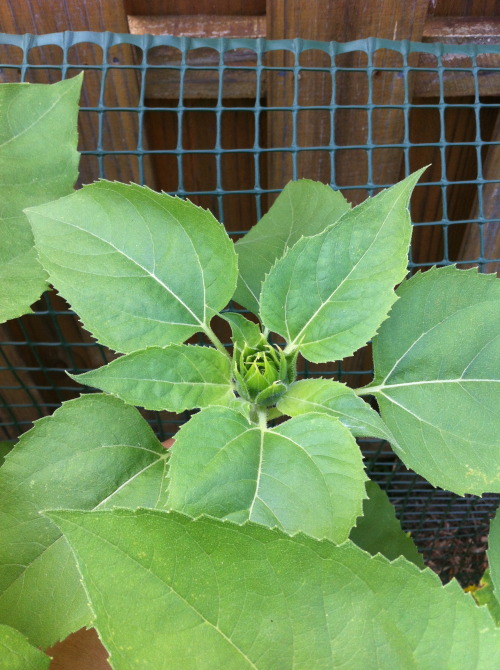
(262, 414)
(367, 390)
(215, 340)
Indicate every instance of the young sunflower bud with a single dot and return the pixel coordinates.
(262, 373)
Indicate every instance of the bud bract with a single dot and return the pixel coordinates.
(262, 372)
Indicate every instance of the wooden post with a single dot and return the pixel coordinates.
(470, 247)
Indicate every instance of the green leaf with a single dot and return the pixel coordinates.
(303, 208)
(485, 594)
(38, 163)
(16, 653)
(379, 531)
(329, 293)
(437, 378)
(336, 399)
(174, 378)
(494, 566)
(140, 268)
(181, 594)
(93, 452)
(244, 332)
(304, 475)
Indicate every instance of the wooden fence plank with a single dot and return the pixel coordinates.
(201, 84)
(188, 7)
(198, 25)
(470, 247)
(462, 29)
(426, 83)
(203, 130)
(307, 20)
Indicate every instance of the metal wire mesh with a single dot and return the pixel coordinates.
(155, 111)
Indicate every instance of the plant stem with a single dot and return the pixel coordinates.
(262, 414)
(215, 340)
(289, 349)
(367, 390)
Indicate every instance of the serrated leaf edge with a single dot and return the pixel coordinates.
(76, 377)
(356, 514)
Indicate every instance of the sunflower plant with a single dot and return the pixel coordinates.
(257, 540)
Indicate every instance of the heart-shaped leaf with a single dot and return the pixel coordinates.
(303, 208)
(140, 268)
(174, 378)
(210, 594)
(304, 475)
(437, 378)
(93, 452)
(329, 293)
(38, 163)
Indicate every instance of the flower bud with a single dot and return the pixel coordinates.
(263, 372)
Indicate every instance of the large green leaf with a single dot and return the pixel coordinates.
(379, 531)
(140, 268)
(330, 293)
(16, 653)
(303, 208)
(494, 566)
(174, 378)
(437, 378)
(174, 593)
(93, 452)
(304, 475)
(494, 551)
(38, 163)
(330, 397)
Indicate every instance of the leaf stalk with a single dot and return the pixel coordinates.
(215, 340)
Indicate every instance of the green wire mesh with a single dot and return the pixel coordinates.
(37, 349)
